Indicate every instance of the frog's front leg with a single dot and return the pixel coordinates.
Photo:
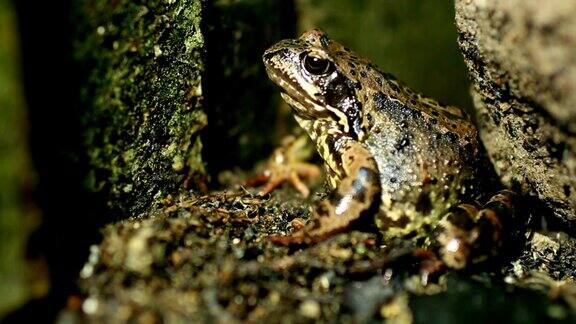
(471, 234)
(357, 191)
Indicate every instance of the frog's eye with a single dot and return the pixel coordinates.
(316, 65)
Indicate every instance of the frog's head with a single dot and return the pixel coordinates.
(318, 79)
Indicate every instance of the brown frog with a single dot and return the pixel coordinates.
(389, 152)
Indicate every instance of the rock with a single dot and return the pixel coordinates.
(549, 253)
(141, 99)
(522, 61)
(310, 309)
(532, 44)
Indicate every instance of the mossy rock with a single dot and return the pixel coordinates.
(142, 99)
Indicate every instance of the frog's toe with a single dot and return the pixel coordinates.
(287, 164)
(295, 181)
(287, 240)
(293, 173)
(323, 224)
(430, 265)
(271, 183)
(304, 237)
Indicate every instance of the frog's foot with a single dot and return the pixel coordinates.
(356, 193)
(278, 173)
(472, 234)
(430, 266)
(322, 225)
(286, 164)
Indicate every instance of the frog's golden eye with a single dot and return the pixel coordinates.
(316, 65)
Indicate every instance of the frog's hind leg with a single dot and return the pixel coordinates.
(471, 234)
(357, 191)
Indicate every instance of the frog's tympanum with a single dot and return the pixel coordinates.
(390, 153)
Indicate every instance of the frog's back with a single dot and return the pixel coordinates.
(427, 154)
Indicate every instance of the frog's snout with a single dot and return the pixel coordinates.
(274, 57)
(267, 56)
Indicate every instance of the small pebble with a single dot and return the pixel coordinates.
(310, 309)
(90, 306)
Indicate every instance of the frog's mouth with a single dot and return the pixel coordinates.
(301, 102)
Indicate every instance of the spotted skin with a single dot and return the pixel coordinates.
(387, 149)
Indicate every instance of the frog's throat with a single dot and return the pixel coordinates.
(304, 107)
(327, 139)
(329, 113)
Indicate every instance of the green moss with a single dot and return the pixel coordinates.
(141, 98)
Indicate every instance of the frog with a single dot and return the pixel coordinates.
(287, 164)
(404, 160)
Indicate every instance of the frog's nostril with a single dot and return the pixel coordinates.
(268, 55)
